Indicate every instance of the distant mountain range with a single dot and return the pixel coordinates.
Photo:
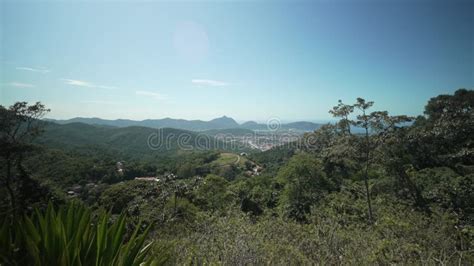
(223, 122)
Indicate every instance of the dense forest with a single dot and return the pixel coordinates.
(370, 189)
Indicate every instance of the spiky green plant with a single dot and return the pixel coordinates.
(69, 236)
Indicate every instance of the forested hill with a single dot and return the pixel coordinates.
(193, 125)
(223, 122)
(132, 140)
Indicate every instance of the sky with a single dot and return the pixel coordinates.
(250, 60)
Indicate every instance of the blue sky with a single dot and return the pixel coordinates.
(248, 60)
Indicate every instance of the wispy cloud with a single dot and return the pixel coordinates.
(209, 82)
(32, 69)
(82, 83)
(20, 85)
(100, 102)
(154, 95)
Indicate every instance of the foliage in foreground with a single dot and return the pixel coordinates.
(70, 236)
(331, 237)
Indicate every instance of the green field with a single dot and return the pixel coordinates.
(230, 159)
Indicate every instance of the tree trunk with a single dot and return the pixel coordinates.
(367, 191)
(366, 175)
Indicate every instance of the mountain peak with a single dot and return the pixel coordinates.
(224, 122)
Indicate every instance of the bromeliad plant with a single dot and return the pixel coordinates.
(69, 236)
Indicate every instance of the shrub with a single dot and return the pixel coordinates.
(69, 236)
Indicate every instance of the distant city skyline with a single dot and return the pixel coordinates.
(245, 60)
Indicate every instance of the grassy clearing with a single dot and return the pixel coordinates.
(230, 159)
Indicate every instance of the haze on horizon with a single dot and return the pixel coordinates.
(245, 60)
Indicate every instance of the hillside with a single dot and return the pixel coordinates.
(194, 125)
(223, 122)
(129, 140)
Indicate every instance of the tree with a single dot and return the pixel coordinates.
(398, 161)
(19, 125)
(448, 189)
(304, 183)
(212, 193)
(443, 137)
(343, 111)
(377, 126)
(364, 121)
(336, 149)
(186, 170)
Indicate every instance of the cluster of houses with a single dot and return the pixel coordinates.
(120, 168)
(165, 177)
(76, 190)
(255, 171)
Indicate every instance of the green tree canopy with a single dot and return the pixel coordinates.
(305, 183)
